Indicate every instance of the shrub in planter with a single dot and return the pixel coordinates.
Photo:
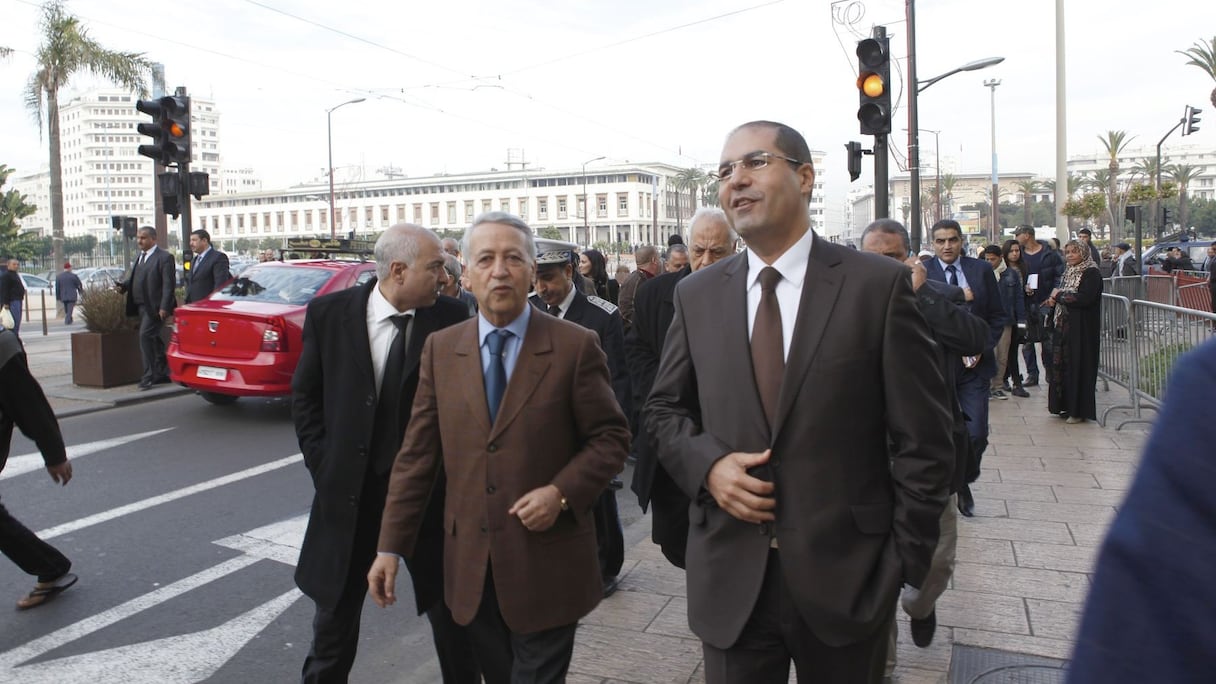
(107, 354)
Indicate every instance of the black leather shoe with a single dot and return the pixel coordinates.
(611, 584)
(923, 630)
(966, 502)
(1032, 381)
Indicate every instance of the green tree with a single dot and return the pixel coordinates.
(13, 208)
(948, 182)
(1183, 174)
(80, 245)
(690, 180)
(68, 50)
(549, 233)
(1115, 142)
(1203, 56)
(1028, 188)
(709, 194)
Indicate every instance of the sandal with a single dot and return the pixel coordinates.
(45, 591)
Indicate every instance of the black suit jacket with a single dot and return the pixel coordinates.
(334, 406)
(211, 273)
(653, 309)
(154, 281)
(24, 405)
(861, 443)
(985, 303)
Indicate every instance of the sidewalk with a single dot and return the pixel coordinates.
(50, 359)
(1046, 497)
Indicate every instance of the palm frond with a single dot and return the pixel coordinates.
(1203, 56)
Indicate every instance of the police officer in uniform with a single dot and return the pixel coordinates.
(556, 294)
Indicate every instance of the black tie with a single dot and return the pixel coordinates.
(496, 374)
(952, 275)
(768, 345)
(194, 264)
(555, 310)
(388, 407)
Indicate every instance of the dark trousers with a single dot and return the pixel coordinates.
(1032, 366)
(609, 538)
(336, 631)
(1013, 373)
(152, 345)
(14, 307)
(68, 308)
(973, 395)
(669, 517)
(776, 633)
(508, 657)
(31, 554)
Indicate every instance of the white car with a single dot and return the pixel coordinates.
(35, 286)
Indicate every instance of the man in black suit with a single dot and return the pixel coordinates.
(352, 392)
(208, 268)
(972, 375)
(150, 295)
(712, 240)
(557, 295)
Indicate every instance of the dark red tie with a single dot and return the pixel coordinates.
(768, 348)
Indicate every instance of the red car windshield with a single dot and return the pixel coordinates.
(275, 284)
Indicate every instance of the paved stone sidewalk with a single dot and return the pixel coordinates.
(1047, 494)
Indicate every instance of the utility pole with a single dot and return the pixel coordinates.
(996, 190)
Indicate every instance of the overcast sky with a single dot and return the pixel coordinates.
(452, 85)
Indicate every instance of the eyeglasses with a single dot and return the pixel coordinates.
(752, 162)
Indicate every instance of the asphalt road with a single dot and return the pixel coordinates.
(183, 522)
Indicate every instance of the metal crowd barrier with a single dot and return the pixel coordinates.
(1140, 342)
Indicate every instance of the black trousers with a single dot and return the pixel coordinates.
(609, 538)
(336, 631)
(508, 657)
(31, 554)
(776, 633)
(152, 345)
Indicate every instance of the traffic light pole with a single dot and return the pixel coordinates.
(1157, 185)
(183, 193)
(882, 200)
(914, 229)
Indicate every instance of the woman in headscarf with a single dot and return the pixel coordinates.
(1075, 343)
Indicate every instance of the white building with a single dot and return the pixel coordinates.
(1204, 158)
(103, 173)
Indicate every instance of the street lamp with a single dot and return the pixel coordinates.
(914, 88)
(329, 124)
(586, 230)
(937, 168)
(996, 202)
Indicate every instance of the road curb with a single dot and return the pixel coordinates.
(141, 398)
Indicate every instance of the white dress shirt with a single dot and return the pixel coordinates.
(792, 267)
(958, 272)
(380, 331)
(565, 305)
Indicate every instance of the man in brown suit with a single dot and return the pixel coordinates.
(528, 431)
(785, 371)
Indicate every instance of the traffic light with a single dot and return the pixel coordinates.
(1190, 120)
(1167, 216)
(169, 130)
(873, 85)
(854, 152)
(170, 192)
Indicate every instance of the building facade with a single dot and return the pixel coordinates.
(1132, 159)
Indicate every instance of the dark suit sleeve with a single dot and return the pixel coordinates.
(308, 393)
(23, 403)
(672, 414)
(642, 357)
(959, 331)
(614, 348)
(993, 310)
(168, 283)
(219, 271)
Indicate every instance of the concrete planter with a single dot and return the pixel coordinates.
(106, 359)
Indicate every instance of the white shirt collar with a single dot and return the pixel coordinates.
(380, 307)
(565, 305)
(791, 265)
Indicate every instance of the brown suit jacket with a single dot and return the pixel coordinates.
(854, 516)
(558, 424)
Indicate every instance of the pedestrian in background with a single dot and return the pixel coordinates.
(1086, 237)
(24, 406)
(1076, 341)
(208, 268)
(1013, 300)
(12, 293)
(150, 289)
(68, 289)
(1011, 252)
(1044, 266)
(593, 265)
(452, 288)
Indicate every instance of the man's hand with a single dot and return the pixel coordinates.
(382, 579)
(747, 498)
(919, 275)
(61, 473)
(539, 508)
(163, 314)
(968, 294)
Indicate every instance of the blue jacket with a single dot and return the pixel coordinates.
(1013, 295)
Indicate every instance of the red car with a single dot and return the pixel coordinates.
(244, 340)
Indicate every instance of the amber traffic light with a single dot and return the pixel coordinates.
(873, 85)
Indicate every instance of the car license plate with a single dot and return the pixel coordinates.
(213, 373)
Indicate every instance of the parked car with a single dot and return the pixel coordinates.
(35, 286)
(1155, 255)
(101, 276)
(244, 340)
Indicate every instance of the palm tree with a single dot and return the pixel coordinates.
(65, 51)
(709, 194)
(948, 183)
(1203, 55)
(1114, 142)
(1028, 187)
(690, 179)
(1183, 174)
